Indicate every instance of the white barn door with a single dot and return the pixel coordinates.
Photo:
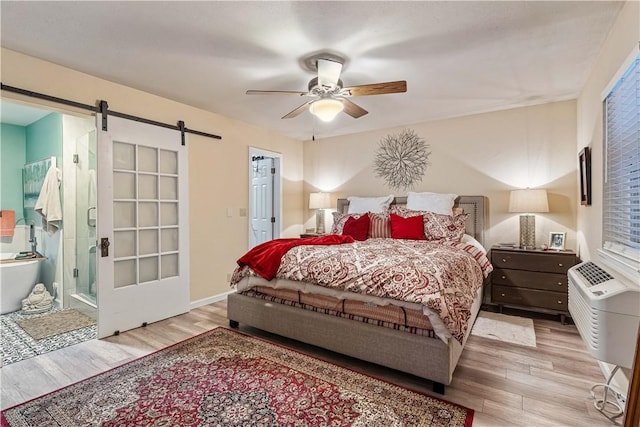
(143, 229)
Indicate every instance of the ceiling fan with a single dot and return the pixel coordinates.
(330, 96)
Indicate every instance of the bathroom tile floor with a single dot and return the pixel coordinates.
(17, 345)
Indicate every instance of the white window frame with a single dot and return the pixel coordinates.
(623, 257)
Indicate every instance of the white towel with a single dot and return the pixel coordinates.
(48, 204)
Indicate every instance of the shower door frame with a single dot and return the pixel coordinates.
(86, 218)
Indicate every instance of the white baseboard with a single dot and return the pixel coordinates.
(209, 300)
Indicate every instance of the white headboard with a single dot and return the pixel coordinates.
(476, 206)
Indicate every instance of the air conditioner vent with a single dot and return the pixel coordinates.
(593, 274)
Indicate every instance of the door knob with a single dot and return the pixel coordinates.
(104, 247)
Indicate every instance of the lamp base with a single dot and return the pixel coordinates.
(527, 231)
(320, 221)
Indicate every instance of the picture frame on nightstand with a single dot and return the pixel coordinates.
(556, 240)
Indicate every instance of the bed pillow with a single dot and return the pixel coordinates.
(444, 227)
(379, 225)
(339, 219)
(358, 228)
(431, 202)
(407, 228)
(369, 204)
(437, 227)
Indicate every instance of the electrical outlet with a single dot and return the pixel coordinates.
(242, 211)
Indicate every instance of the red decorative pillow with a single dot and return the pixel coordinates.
(437, 227)
(379, 226)
(407, 228)
(357, 228)
(339, 219)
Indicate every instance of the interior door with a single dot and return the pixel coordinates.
(143, 232)
(262, 206)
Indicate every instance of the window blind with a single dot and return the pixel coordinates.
(621, 195)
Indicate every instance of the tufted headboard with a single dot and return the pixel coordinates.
(476, 206)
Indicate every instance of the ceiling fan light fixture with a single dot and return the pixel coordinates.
(326, 109)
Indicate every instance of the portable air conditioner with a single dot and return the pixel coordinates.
(606, 311)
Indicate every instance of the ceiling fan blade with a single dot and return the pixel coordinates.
(297, 111)
(328, 72)
(353, 109)
(275, 92)
(375, 89)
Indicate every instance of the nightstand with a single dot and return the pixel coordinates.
(312, 235)
(531, 279)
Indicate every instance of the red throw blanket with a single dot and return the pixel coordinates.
(265, 258)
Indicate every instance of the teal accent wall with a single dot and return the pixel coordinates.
(12, 157)
(44, 139)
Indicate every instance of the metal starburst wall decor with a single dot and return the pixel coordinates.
(402, 159)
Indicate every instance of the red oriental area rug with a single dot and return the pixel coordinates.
(225, 378)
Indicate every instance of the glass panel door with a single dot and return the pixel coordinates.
(86, 217)
(145, 207)
(143, 265)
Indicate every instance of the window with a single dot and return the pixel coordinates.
(621, 191)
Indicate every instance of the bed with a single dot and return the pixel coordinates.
(430, 352)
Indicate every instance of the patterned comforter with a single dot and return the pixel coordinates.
(443, 277)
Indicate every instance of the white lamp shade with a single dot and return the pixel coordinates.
(528, 201)
(319, 200)
(326, 109)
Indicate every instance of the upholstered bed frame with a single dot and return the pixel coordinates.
(428, 358)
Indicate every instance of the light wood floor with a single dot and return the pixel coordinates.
(507, 385)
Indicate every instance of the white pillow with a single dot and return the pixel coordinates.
(433, 202)
(369, 204)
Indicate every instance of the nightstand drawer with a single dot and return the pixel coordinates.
(529, 297)
(530, 279)
(547, 262)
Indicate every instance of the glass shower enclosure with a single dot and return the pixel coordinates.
(86, 218)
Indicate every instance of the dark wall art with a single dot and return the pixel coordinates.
(402, 159)
(585, 176)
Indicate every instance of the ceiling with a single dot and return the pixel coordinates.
(20, 115)
(457, 57)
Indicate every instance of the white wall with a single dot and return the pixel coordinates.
(485, 154)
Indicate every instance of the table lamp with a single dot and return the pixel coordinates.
(528, 202)
(320, 202)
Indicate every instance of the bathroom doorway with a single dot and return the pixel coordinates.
(31, 133)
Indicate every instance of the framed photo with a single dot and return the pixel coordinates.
(585, 176)
(556, 240)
